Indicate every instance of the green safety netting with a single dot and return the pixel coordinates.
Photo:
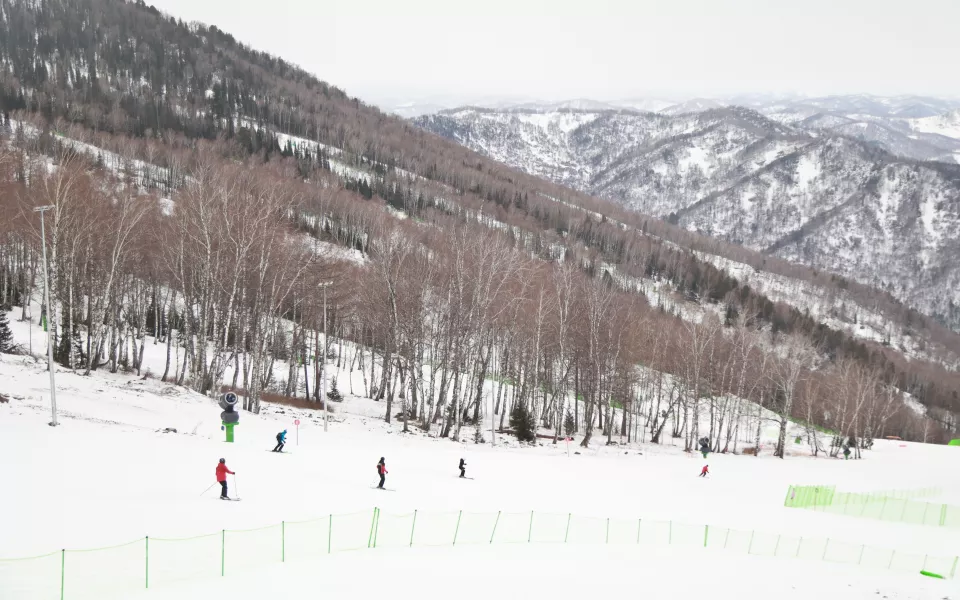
(155, 562)
(892, 505)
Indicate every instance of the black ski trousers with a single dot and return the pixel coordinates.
(279, 447)
(383, 478)
(223, 492)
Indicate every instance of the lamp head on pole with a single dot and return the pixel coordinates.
(40, 209)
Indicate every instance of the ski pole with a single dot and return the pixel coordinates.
(236, 488)
(208, 489)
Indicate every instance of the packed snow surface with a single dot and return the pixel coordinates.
(109, 475)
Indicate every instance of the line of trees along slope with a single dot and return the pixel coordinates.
(224, 274)
(189, 114)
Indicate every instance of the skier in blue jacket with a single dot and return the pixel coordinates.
(281, 440)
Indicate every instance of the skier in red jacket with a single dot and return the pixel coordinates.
(705, 471)
(222, 471)
(382, 472)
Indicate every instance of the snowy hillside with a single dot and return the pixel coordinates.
(115, 471)
(947, 124)
(796, 191)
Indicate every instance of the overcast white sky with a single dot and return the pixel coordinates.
(602, 49)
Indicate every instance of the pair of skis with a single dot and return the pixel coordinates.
(375, 487)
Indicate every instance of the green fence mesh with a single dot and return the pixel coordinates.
(155, 562)
(34, 577)
(173, 560)
(899, 506)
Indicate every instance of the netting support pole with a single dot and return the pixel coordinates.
(943, 514)
(223, 552)
(799, 545)
(330, 533)
(63, 567)
(862, 548)
(413, 527)
(750, 545)
(953, 569)
(608, 531)
(495, 527)
(776, 547)
(283, 541)
(146, 560)
(373, 524)
(825, 547)
(926, 509)
(706, 533)
(456, 530)
(639, 523)
(530, 529)
(890, 564)
(670, 533)
(566, 534)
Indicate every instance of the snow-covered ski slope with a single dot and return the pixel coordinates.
(109, 475)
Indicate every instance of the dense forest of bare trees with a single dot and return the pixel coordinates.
(181, 219)
(226, 273)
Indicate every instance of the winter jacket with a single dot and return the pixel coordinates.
(705, 470)
(222, 471)
(463, 463)
(282, 437)
(381, 469)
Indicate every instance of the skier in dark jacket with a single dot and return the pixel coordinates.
(382, 472)
(704, 446)
(281, 440)
(463, 468)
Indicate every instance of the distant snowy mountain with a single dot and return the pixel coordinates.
(866, 104)
(412, 110)
(692, 106)
(821, 191)
(947, 124)
(644, 104)
(576, 104)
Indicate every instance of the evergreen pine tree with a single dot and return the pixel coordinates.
(334, 394)
(569, 425)
(6, 336)
(521, 421)
(61, 352)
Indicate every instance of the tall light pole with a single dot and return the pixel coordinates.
(50, 322)
(323, 359)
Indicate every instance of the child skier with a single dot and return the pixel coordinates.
(281, 440)
(705, 471)
(463, 468)
(222, 471)
(382, 472)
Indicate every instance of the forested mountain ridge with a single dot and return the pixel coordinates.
(175, 108)
(809, 195)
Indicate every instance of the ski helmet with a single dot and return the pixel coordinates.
(223, 460)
